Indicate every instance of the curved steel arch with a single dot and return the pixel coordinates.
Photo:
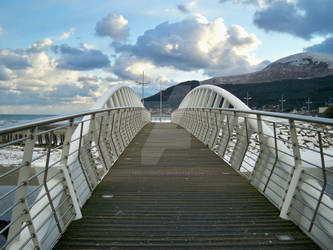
(211, 96)
(118, 96)
(198, 114)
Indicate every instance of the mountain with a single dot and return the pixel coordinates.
(296, 77)
(299, 66)
(171, 96)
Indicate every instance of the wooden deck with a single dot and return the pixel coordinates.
(168, 190)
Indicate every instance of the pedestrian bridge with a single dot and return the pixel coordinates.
(219, 175)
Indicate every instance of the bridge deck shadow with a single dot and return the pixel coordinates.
(168, 190)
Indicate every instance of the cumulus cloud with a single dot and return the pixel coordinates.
(68, 92)
(66, 35)
(186, 8)
(324, 47)
(13, 59)
(31, 77)
(40, 45)
(195, 43)
(130, 67)
(5, 73)
(81, 58)
(20, 98)
(302, 18)
(114, 26)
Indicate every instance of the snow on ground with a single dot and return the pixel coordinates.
(307, 136)
(13, 155)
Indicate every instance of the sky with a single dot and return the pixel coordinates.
(59, 56)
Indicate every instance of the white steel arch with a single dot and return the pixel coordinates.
(210, 96)
(87, 154)
(223, 122)
(118, 96)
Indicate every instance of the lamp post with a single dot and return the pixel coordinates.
(247, 98)
(308, 103)
(143, 83)
(282, 101)
(160, 101)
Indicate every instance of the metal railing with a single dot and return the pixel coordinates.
(288, 158)
(46, 186)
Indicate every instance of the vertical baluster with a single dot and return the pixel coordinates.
(20, 195)
(295, 173)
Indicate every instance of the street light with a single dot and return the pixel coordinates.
(143, 83)
(247, 98)
(161, 101)
(308, 103)
(282, 101)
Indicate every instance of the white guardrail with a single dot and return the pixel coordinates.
(288, 158)
(62, 160)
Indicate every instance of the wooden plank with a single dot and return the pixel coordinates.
(168, 190)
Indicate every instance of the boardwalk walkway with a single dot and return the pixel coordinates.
(168, 190)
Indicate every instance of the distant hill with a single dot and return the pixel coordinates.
(264, 95)
(299, 66)
(172, 96)
(296, 77)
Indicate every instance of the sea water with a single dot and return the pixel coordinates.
(7, 120)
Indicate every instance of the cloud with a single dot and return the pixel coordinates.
(69, 92)
(40, 45)
(186, 8)
(66, 35)
(195, 43)
(302, 18)
(114, 26)
(259, 3)
(324, 47)
(14, 59)
(31, 79)
(129, 67)
(5, 73)
(81, 58)
(21, 98)
(1, 30)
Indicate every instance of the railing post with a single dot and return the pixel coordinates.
(109, 137)
(294, 174)
(99, 143)
(67, 172)
(22, 208)
(47, 190)
(241, 145)
(79, 159)
(260, 160)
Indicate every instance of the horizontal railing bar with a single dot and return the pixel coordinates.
(295, 117)
(59, 118)
(13, 142)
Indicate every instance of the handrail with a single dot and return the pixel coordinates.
(318, 120)
(282, 155)
(79, 154)
(55, 119)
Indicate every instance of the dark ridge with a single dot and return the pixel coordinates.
(172, 96)
(264, 95)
